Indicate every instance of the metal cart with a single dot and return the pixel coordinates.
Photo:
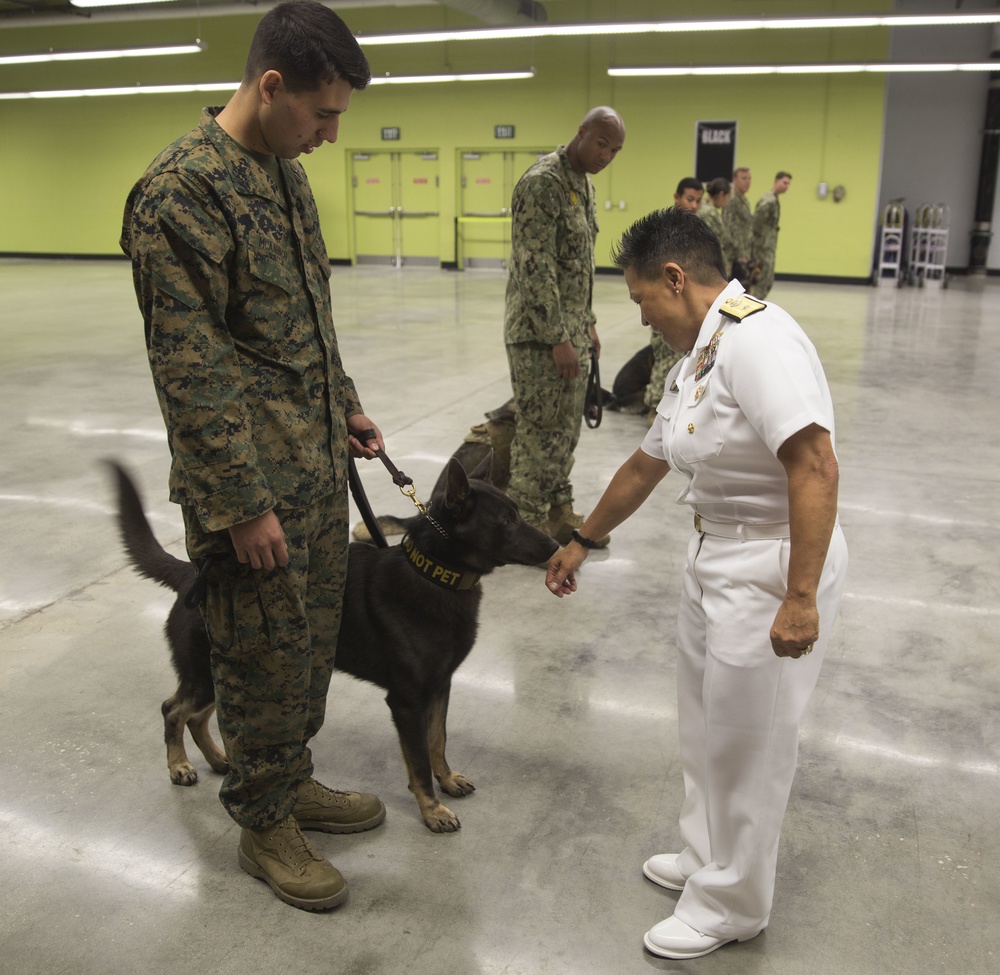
(891, 245)
(929, 246)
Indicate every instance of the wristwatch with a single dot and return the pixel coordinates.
(583, 540)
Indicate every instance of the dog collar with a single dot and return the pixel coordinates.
(437, 572)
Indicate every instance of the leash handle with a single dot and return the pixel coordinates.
(401, 480)
(361, 499)
(398, 477)
(593, 407)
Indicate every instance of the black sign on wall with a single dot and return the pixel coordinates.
(714, 150)
(390, 134)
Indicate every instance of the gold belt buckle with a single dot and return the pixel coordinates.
(697, 522)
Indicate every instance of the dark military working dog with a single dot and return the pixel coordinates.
(410, 618)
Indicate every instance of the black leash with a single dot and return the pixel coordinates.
(593, 405)
(361, 500)
(194, 596)
(398, 478)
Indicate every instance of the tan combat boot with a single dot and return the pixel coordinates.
(329, 811)
(282, 857)
(563, 519)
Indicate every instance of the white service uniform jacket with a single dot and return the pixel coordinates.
(743, 391)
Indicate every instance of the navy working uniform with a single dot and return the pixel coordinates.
(766, 218)
(738, 220)
(752, 380)
(548, 301)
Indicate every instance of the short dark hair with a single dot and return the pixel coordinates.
(672, 234)
(718, 185)
(781, 174)
(689, 183)
(309, 45)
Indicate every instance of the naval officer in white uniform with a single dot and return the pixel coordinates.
(747, 420)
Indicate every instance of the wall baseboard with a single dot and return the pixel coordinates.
(32, 256)
(821, 279)
(991, 272)
(802, 278)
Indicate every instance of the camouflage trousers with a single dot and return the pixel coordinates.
(763, 276)
(273, 639)
(549, 417)
(663, 361)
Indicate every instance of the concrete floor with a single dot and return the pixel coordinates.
(564, 713)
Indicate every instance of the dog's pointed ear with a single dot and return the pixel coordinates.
(457, 490)
(484, 469)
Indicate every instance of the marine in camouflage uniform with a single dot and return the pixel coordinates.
(738, 221)
(766, 218)
(232, 276)
(548, 313)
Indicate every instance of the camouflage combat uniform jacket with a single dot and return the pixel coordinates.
(551, 272)
(738, 221)
(232, 279)
(712, 215)
(766, 216)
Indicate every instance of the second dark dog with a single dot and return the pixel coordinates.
(410, 618)
(483, 439)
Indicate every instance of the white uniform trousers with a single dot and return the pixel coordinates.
(739, 708)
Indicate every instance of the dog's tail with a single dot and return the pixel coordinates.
(145, 553)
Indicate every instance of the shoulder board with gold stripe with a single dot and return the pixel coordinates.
(740, 307)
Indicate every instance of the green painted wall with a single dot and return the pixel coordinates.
(66, 165)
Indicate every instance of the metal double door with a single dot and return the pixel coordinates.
(395, 208)
(487, 181)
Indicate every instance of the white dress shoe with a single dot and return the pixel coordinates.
(673, 938)
(662, 869)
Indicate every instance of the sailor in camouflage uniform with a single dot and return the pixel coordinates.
(232, 277)
(549, 326)
(688, 196)
(738, 220)
(766, 217)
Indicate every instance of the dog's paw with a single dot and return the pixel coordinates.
(456, 785)
(183, 774)
(441, 819)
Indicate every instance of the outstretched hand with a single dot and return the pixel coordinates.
(560, 577)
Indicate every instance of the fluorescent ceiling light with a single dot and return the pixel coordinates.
(127, 52)
(746, 69)
(130, 90)
(233, 85)
(679, 27)
(418, 79)
(113, 3)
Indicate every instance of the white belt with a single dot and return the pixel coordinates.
(742, 532)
